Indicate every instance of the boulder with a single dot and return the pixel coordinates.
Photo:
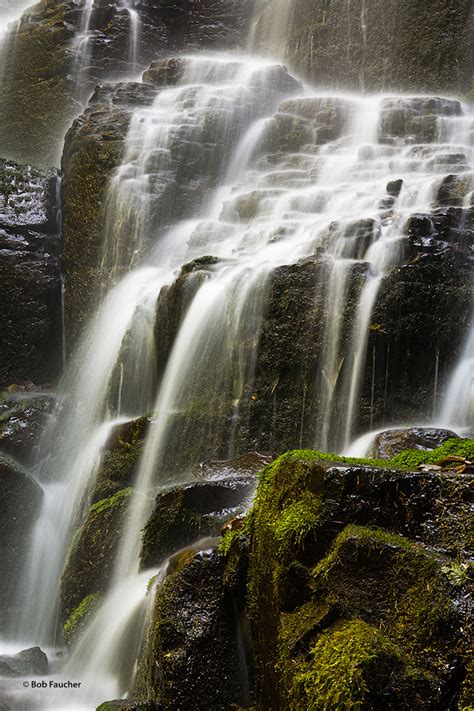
(28, 662)
(246, 464)
(391, 442)
(349, 602)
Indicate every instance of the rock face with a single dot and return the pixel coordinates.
(191, 657)
(373, 45)
(349, 601)
(20, 501)
(31, 319)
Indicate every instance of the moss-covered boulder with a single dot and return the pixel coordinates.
(373, 45)
(391, 442)
(191, 657)
(92, 554)
(357, 582)
(31, 317)
(20, 503)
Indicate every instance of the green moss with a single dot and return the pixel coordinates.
(296, 521)
(344, 665)
(77, 620)
(412, 458)
(227, 541)
(111, 502)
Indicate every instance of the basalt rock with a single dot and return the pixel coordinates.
(412, 342)
(31, 320)
(92, 553)
(198, 510)
(20, 502)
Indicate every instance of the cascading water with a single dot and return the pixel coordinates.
(260, 198)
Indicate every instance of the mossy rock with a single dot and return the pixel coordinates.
(92, 554)
(340, 568)
(121, 459)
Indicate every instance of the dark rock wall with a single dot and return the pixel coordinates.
(31, 314)
(410, 45)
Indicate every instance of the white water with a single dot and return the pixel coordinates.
(11, 11)
(458, 408)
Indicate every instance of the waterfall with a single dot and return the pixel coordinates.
(231, 175)
(458, 407)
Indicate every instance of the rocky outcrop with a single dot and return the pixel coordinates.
(20, 502)
(31, 318)
(373, 45)
(185, 514)
(92, 554)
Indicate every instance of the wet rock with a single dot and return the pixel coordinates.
(394, 187)
(328, 43)
(189, 636)
(388, 444)
(184, 514)
(412, 338)
(91, 152)
(29, 662)
(29, 272)
(306, 121)
(24, 415)
(245, 464)
(454, 189)
(165, 72)
(130, 705)
(20, 502)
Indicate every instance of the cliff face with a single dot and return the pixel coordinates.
(410, 45)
